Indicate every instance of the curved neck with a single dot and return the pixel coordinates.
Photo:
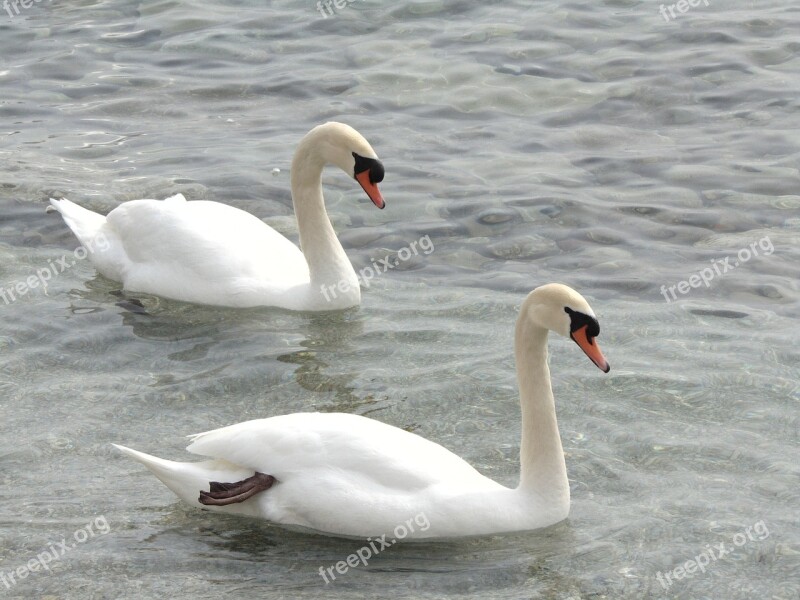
(328, 265)
(542, 465)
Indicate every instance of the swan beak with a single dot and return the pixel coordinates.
(591, 349)
(371, 188)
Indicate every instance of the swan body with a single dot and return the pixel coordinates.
(210, 253)
(346, 475)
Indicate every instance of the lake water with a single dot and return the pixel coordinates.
(600, 144)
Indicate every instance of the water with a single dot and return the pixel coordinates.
(590, 143)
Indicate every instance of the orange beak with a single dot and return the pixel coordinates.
(591, 349)
(371, 188)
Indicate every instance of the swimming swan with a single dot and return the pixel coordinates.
(210, 253)
(346, 475)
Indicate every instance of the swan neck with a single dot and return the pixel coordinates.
(542, 465)
(328, 264)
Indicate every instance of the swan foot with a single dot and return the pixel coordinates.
(222, 494)
(133, 305)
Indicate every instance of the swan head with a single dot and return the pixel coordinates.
(561, 309)
(343, 146)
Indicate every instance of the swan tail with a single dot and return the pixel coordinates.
(187, 480)
(95, 235)
(85, 224)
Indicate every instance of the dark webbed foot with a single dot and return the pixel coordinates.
(133, 305)
(222, 494)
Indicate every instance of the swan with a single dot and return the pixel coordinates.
(210, 253)
(346, 475)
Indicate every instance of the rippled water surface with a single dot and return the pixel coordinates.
(592, 143)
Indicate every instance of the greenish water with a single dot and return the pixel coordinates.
(589, 143)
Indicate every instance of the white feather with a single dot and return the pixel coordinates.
(210, 253)
(347, 475)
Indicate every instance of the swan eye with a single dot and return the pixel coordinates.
(579, 320)
(373, 165)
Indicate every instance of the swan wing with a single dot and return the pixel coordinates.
(365, 452)
(201, 250)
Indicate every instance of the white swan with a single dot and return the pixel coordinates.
(210, 253)
(347, 475)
